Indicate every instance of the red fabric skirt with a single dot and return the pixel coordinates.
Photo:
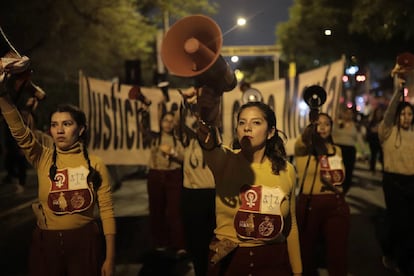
(264, 260)
(74, 252)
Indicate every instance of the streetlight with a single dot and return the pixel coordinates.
(328, 32)
(234, 59)
(241, 21)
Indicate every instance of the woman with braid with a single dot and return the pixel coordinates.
(67, 239)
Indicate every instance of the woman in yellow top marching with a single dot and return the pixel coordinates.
(256, 232)
(321, 208)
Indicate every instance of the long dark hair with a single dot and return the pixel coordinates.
(401, 106)
(158, 136)
(79, 116)
(319, 143)
(275, 148)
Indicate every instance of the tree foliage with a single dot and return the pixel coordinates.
(257, 69)
(62, 37)
(176, 8)
(97, 36)
(371, 30)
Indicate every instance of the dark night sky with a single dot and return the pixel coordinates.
(262, 15)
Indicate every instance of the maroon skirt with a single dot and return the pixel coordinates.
(264, 260)
(74, 252)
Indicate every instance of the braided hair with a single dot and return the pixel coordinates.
(79, 116)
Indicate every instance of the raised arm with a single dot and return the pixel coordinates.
(389, 114)
(21, 132)
(5, 104)
(385, 126)
(208, 108)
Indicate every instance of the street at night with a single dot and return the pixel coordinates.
(131, 210)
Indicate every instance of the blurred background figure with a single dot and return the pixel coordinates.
(15, 163)
(346, 136)
(198, 195)
(396, 135)
(164, 185)
(373, 140)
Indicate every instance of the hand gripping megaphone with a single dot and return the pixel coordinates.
(404, 64)
(191, 48)
(14, 66)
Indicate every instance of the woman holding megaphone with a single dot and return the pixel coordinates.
(256, 232)
(321, 208)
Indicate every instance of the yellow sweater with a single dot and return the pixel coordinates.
(158, 160)
(231, 172)
(72, 170)
(311, 186)
(197, 174)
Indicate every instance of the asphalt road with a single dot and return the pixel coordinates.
(131, 210)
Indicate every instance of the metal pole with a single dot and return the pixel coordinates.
(276, 74)
(160, 35)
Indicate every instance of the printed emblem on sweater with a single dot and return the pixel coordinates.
(331, 169)
(70, 192)
(259, 216)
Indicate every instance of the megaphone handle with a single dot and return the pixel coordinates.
(209, 136)
(400, 84)
(209, 104)
(191, 107)
(209, 115)
(230, 79)
(402, 90)
(313, 115)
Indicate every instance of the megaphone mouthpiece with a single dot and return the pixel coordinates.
(201, 54)
(191, 45)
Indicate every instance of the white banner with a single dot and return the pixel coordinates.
(116, 123)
